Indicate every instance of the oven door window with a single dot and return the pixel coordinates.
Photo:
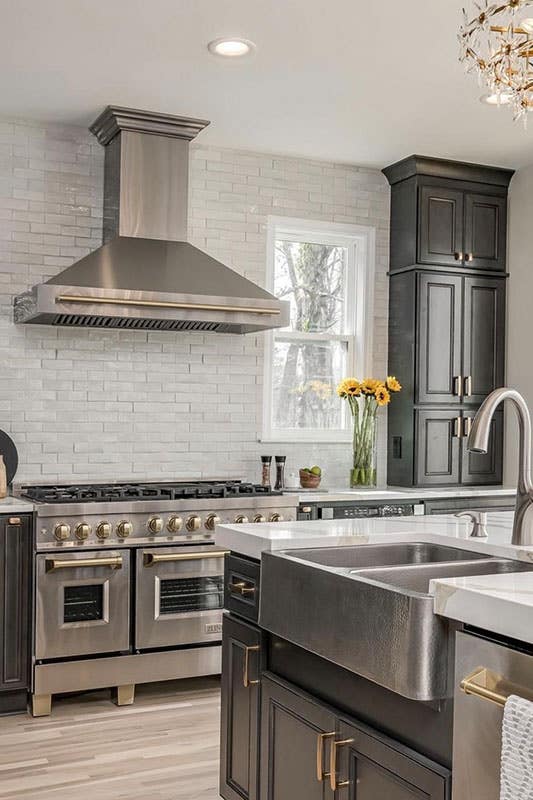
(84, 603)
(190, 593)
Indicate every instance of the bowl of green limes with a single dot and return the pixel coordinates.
(310, 477)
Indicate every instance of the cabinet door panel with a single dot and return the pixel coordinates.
(376, 767)
(439, 337)
(440, 225)
(485, 225)
(483, 468)
(15, 562)
(438, 447)
(290, 726)
(484, 336)
(239, 752)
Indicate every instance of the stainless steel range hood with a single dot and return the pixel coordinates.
(146, 275)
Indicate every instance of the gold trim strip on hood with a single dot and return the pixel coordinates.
(73, 298)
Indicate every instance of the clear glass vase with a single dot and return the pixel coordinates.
(364, 466)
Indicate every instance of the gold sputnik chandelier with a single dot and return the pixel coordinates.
(497, 46)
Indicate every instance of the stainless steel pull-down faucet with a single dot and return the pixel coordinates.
(478, 442)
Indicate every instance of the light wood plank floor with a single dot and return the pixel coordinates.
(164, 747)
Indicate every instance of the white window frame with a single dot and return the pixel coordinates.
(360, 241)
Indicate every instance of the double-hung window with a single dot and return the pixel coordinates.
(325, 272)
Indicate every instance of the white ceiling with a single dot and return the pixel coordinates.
(362, 82)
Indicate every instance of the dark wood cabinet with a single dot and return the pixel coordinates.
(440, 227)
(15, 603)
(296, 734)
(310, 751)
(438, 447)
(373, 767)
(240, 712)
(483, 337)
(439, 337)
(483, 468)
(485, 224)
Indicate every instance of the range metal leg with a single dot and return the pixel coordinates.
(41, 705)
(124, 695)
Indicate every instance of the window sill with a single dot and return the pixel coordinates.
(304, 440)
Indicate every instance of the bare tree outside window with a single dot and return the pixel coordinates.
(306, 367)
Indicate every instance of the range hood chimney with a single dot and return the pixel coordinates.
(146, 275)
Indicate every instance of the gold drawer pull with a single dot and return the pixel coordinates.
(241, 588)
(246, 668)
(321, 738)
(333, 765)
(458, 385)
(468, 386)
(467, 426)
(52, 563)
(150, 559)
(457, 429)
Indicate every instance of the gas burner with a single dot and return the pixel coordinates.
(116, 492)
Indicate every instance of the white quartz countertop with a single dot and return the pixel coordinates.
(399, 493)
(500, 603)
(12, 505)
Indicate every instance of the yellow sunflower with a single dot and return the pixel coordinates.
(369, 385)
(382, 395)
(349, 387)
(393, 385)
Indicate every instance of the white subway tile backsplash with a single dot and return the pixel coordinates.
(99, 405)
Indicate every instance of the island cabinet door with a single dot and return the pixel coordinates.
(370, 766)
(296, 735)
(239, 741)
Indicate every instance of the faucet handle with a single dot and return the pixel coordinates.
(479, 523)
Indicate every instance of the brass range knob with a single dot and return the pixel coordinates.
(193, 523)
(155, 525)
(241, 519)
(276, 517)
(82, 531)
(259, 518)
(62, 531)
(103, 530)
(175, 524)
(124, 529)
(212, 521)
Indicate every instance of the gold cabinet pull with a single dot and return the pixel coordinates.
(468, 386)
(115, 562)
(320, 739)
(467, 426)
(458, 386)
(459, 255)
(469, 257)
(246, 667)
(241, 588)
(14, 521)
(150, 559)
(333, 782)
(457, 428)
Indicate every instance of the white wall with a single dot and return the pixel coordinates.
(108, 404)
(519, 306)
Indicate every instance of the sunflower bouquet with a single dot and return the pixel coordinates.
(364, 399)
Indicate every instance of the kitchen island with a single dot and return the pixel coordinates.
(319, 728)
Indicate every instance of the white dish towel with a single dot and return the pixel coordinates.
(516, 779)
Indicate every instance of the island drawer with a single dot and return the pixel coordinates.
(241, 586)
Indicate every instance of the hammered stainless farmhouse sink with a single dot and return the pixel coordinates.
(368, 608)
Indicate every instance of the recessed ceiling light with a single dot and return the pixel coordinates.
(527, 24)
(231, 48)
(502, 99)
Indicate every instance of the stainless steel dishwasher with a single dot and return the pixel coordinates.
(486, 673)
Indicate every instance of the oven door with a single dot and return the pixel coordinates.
(179, 596)
(82, 604)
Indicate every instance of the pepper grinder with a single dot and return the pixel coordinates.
(280, 472)
(266, 461)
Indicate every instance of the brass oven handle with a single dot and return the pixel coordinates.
(321, 738)
(246, 668)
(115, 562)
(150, 559)
(468, 386)
(241, 588)
(333, 765)
(458, 386)
(119, 301)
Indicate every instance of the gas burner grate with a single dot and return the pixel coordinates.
(109, 493)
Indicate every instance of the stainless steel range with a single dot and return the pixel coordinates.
(128, 583)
